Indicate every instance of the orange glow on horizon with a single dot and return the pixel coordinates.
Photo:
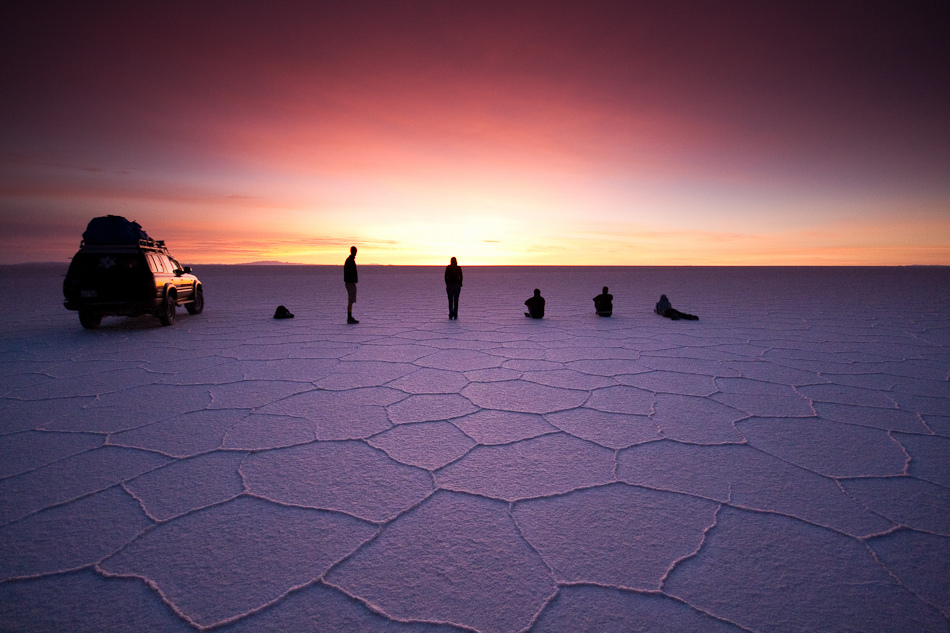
(843, 245)
(403, 221)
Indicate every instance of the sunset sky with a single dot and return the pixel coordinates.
(587, 133)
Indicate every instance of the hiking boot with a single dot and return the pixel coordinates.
(351, 320)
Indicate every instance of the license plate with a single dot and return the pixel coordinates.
(89, 294)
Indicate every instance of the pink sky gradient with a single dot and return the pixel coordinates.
(501, 133)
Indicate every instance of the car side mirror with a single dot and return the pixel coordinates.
(187, 270)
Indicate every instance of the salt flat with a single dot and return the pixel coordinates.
(781, 465)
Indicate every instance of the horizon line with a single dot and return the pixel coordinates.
(277, 264)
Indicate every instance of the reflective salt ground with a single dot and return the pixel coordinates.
(783, 464)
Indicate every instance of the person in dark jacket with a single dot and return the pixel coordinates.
(535, 305)
(453, 286)
(664, 308)
(350, 279)
(604, 303)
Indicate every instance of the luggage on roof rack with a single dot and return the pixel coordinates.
(114, 229)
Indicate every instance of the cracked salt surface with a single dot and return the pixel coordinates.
(781, 465)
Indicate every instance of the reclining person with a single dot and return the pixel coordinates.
(664, 308)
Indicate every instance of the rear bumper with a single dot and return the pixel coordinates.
(113, 308)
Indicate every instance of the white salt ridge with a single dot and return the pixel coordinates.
(781, 465)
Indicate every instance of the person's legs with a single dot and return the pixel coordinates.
(676, 315)
(454, 302)
(351, 299)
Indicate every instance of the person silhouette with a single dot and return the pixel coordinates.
(350, 279)
(453, 286)
(535, 305)
(604, 303)
(664, 308)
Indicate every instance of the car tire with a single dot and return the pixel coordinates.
(90, 320)
(167, 314)
(198, 303)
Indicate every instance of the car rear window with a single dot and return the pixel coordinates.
(106, 264)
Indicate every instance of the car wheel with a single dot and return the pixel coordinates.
(198, 304)
(90, 320)
(167, 315)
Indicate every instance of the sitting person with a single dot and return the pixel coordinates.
(535, 305)
(604, 303)
(664, 308)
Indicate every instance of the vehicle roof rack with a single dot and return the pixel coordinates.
(148, 244)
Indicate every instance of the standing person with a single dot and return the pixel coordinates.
(453, 286)
(535, 305)
(604, 303)
(350, 279)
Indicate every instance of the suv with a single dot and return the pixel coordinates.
(119, 270)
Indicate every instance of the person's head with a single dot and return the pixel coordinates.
(605, 289)
(352, 250)
(454, 263)
(537, 293)
(663, 298)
